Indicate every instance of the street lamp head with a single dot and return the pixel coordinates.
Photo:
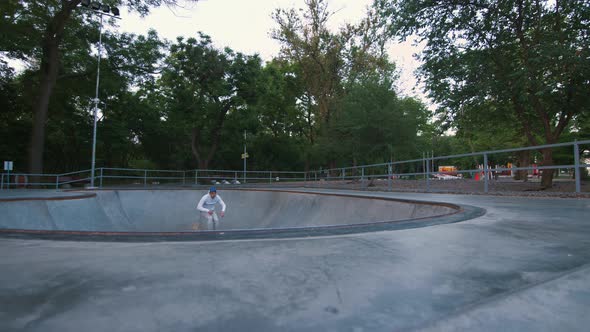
(97, 6)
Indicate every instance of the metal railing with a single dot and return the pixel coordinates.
(414, 175)
(44, 181)
(421, 174)
(240, 177)
(139, 177)
(145, 177)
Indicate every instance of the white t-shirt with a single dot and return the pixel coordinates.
(207, 203)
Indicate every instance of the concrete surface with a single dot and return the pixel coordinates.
(167, 212)
(523, 266)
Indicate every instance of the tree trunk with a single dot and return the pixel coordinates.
(332, 166)
(47, 77)
(523, 161)
(195, 148)
(216, 135)
(547, 175)
(203, 164)
(324, 109)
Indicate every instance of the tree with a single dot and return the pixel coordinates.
(134, 61)
(69, 123)
(529, 58)
(308, 43)
(327, 61)
(14, 120)
(38, 37)
(201, 85)
(278, 91)
(282, 132)
(375, 125)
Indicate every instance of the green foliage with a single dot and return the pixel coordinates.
(375, 125)
(200, 87)
(127, 60)
(520, 62)
(186, 104)
(14, 120)
(525, 58)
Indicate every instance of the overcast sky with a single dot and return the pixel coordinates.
(245, 26)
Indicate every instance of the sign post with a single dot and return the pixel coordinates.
(245, 156)
(8, 165)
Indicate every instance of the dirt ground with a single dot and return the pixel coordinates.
(507, 187)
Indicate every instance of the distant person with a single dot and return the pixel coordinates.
(207, 207)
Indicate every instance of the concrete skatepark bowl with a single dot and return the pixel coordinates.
(312, 260)
(171, 215)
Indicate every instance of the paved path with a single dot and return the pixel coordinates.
(523, 266)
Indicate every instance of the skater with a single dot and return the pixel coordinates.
(207, 207)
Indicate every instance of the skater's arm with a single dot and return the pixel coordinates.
(200, 205)
(222, 203)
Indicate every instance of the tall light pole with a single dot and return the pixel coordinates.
(102, 10)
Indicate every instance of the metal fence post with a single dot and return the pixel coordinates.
(145, 178)
(183, 177)
(362, 178)
(427, 174)
(577, 165)
(432, 161)
(57, 182)
(424, 164)
(270, 177)
(485, 172)
(101, 174)
(389, 175)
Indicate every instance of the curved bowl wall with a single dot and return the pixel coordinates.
(154, 215)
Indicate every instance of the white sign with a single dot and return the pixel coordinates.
(8, 165)
(245, 155)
